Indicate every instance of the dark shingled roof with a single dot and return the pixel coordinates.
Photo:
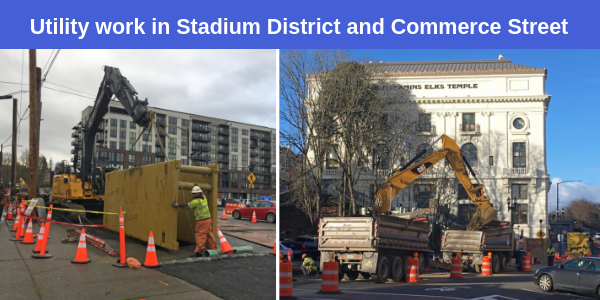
(451, 67)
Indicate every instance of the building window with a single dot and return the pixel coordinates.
(520, 215)
(213, 137)
(213, 156)
(172, 130)
(131, 166)
(233, 166)
(427, 153)
(234, 185)
(244, 131)
(244, 141)
(147, 159)
(213, 128)
(469, 152)
(519, 191)
(183, 143)
(234, 139)
(113, 133)
(491, 161)
(172, 121)
(273, 170)
(468, 122)
(244, 185)
(172, 141)
(184, 132)
(159, 159)
(131, 147)
(113, 122)
(213, 147)
(183, 151)
(131, 125)
(147, 148)
(185, 123)
(234, 175)
(132, 136)
(122, 146)
(132, 158)
(519, 155)
(518, 123)
(234, 130)
(184, 161)
(424, 123)
(245, 150)
(147, 137)
(234, 157)
(123, 134)
(244, 158)
(172, 151)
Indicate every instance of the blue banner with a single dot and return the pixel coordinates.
(300, 24)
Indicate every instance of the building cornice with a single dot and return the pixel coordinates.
(461, 72)
(500, 99)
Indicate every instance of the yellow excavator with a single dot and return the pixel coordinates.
(415, 168)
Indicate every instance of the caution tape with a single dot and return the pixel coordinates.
(75, 210)
(64, 223)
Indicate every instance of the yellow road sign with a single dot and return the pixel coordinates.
(541, 234)
(251, 185)
(251, 178)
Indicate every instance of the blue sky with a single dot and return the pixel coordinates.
(574, 82)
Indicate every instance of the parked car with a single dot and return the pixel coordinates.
(310, 245)
(265, 210)
(220, 202)
(284, 251)
(580, 275)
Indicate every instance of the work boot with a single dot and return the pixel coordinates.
(196, 254)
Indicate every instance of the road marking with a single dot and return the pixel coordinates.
(393, 294)
(493, 297)
(447, 288)
(537, 292)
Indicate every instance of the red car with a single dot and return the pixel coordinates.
(265, 210)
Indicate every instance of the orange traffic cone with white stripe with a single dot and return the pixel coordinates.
(224, 216)
(40, 239)
(151, 260)
(17, 223)
(28, 239)
(81, 256)
(9, 215)
(274, 249)
(253, 216)
(20, 230)
(225, 247)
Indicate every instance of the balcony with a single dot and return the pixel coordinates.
(253, 154)
(265, 138)
(425, 129)
(160, 153)
(253, 145)
(199, 148)
(202, 129)
(73, 143)
(74, 134)
(224, 151)
(265, 164)
(224, 142)
(469, 129)
(223, 159)
(254, 137)
(73, 151)
(265, 156)
(265, 147)
(99, 139)
(517, 172)
(223, 132)
(196, 137)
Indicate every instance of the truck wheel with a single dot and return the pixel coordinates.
(405, 262)
(477, 268)
(504, 262)
(341, 273)
(383, 270)
(351, 275)
(365, 275)
(397, 268)
(421, 263)
(495, 264)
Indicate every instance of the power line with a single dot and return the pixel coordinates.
(50, 66)
(8, 82)
(50, 56)
(66, 87)
(69, 93)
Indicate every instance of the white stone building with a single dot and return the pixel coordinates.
(496, 111)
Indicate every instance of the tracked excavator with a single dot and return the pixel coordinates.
(81, 185)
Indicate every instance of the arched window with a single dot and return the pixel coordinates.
(469, 152)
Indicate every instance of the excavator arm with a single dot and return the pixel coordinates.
(115, 84)
(413, 169)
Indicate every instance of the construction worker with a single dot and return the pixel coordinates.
(203, 221)
(308, 266)
(550, 251)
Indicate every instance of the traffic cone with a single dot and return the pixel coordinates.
(81, 256)
(45, 237)
(225, 247)
(40, 240)
(20, 230)
(151, 260)
(9, 215)
(28, 239)
(274, 249)
(253, 216)
(17, 223)
(224, 217)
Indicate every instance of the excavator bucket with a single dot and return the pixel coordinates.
(482, 216)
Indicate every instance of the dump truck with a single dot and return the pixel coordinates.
(578, 244)
(379, 245)
(497, 238)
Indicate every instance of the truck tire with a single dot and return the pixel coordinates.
(477, 268)
(405, 262)
(421, 263)
(365, 275)
(503, 261)
(383, 270)
(397, 270)
(496, 264)
(341, 272)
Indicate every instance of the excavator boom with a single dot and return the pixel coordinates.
(412, 170)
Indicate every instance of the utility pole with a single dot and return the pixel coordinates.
(34, 130)
(13, 171)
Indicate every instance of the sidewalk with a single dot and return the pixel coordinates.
(23, 277)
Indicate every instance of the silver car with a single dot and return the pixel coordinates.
(580, 275)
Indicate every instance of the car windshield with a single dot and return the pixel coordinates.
(575, 264)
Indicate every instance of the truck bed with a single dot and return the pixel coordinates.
(373, 234)
(487, 240)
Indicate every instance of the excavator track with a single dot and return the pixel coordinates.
(71, 215)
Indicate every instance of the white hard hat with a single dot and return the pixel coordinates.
(196, 190)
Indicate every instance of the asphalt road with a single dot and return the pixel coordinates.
(510, 285)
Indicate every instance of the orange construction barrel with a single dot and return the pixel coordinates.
(329, 278)
(526, 264)
(486, 265)
(413, 269)
(285, 280)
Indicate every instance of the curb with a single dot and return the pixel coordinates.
(205, 259)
